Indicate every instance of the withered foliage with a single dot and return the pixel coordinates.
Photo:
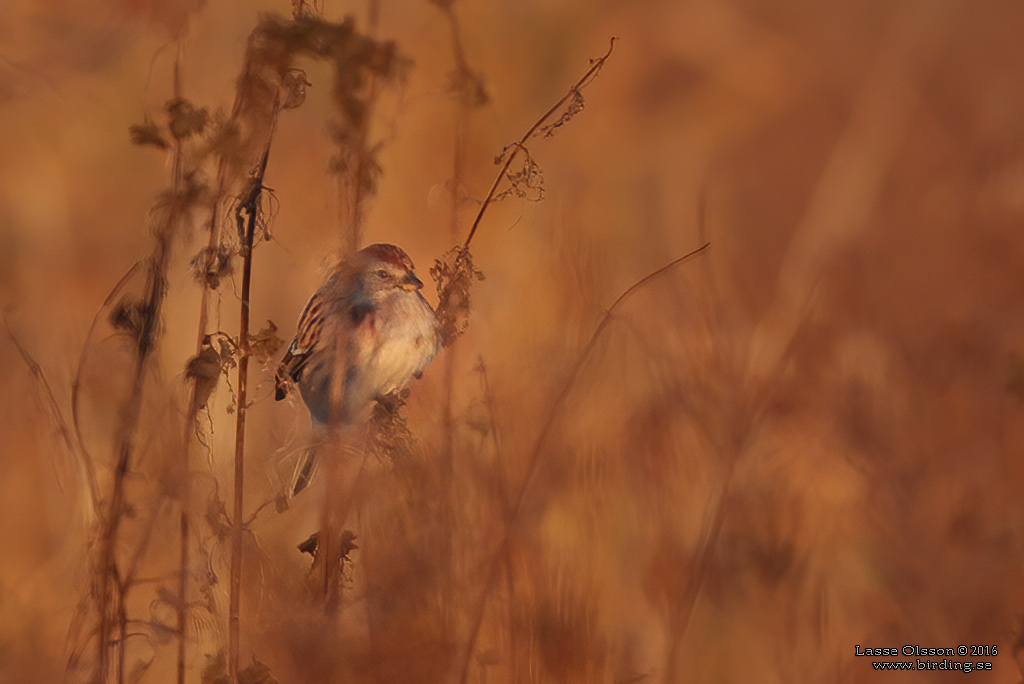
(805, 439)
(389, 436)
(210, 265)
(263, 345)
(356, 59)
(454, 274)
(215, 672)
(237, 145)
(469, 87)
(345, 544)
(185, 119)
(204, 370)
(573, 107)
(129, 315)
(147, 133)
(526, 181)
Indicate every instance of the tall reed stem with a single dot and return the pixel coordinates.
(247, 213)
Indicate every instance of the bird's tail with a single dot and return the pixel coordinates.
(305, 470)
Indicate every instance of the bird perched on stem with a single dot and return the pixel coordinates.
(365, 334)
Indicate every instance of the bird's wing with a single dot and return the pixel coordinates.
(307, 336)
(345, 316)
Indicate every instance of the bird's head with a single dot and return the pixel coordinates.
(384, 268)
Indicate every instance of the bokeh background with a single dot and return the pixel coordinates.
(806, 439)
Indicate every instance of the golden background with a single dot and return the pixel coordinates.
(805, 439)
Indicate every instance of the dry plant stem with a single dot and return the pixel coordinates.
(492, 418)
(535, 455)
(126, 581)
(680, 614)
(447, 420)
(145, 342)
(518, 146)
(76, 384)
(250, 206)
(183, 560)
(352, 192)
(125, 440)
(183, 493)
(341, 488)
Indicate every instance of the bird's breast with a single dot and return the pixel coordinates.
(407, 341)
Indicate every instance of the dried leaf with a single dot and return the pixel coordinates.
(573, 107)
(165, 595)
(129, 316)
(225, 140)
(160, 632)
(210, 265)
(147, 133)
(216, 669)
(264, 344)
(295, 84)
(526, 182)
(205, 369)
(139, 670)
(228, 351)
(468, 87)
(217, 517)
(186, 119)
(257, 673)
(311, 544)
(454, 274)
(388, 433)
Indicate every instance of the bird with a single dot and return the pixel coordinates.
(363, 335)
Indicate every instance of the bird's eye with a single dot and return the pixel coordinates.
(383, 274)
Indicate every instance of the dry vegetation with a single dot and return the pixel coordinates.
(637, 459)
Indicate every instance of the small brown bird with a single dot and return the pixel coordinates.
(370, 323)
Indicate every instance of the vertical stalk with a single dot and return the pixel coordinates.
(250, 210)
(351, 187)
(236, 527)
(183, 522)
(125, 449)
(447, 417)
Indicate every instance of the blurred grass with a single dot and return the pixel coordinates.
(872, 459)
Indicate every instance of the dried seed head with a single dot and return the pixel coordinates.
(147, 133)
(212, 264)
(264, 344)
(205, 369)
(186, 119)
(454, 274)
(294, 84)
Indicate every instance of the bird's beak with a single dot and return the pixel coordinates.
(410, 282)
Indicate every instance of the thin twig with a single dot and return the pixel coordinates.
(590, 75)
(255, 514)
(250, 208)
(125, 438)
(183, 519)
(77, 382)
(463, 79)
